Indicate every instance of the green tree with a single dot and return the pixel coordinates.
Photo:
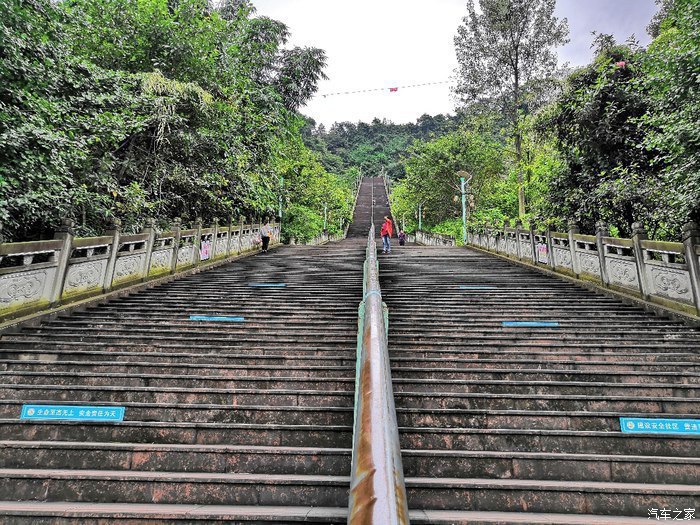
(597, 125)
(506, 59)
(672, 68)
(431, 172)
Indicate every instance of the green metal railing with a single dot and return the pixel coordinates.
(377, 489)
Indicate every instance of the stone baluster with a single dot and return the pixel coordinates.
(114, 231)
(229, 239)
(691, 240)
(602, 230)
(574, 230)
(550, 247)
(518, 230)
(214, 239)
(177, 237)
(533, 245)
(65, 234)
(639, 234)
(149, 228)
(240, 236)
(197, 241)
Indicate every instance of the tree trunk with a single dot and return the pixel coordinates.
(518, 167)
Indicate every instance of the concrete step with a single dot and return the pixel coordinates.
(548, 496)
(328, 461)
(39, 349)
(179, 433)
(546, 387)
(250, 459)
(223, 396)
(535, 374)
(201, 488)
(23, 513)
(211, 413)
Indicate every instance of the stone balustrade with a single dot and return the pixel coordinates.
(667, 273)
(43, 274)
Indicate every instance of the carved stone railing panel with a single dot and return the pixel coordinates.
(541, 249)
(511, 242)
(586, 253)
(129, 268)
(222, 245)
(668, 282)
(622, 271)
(26, 289)
(84, 277)
(161, 261)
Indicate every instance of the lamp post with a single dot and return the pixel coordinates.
(464, 179)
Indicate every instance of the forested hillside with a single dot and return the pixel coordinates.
(132, 109)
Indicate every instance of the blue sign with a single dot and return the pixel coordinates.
(72, 412)
(533, 324)
(641, 425)
(267, 285)
(223, 318)
(477, 287)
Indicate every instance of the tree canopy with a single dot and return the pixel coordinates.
(132, 109)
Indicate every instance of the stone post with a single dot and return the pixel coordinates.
(115, 232)
(533, 246)
(63, 233)
(639, 234)
(574, 230)
(177, 236)
(691, 240)
(228, 239)
(518, 229)
(197, 240)
(240, 236)
(602, 230)
(550, 247)
(214, 239)
(149, 228)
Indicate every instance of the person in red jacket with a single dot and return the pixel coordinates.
(386, 232)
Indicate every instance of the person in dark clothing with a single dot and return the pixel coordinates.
(265, 234)
(402, 238)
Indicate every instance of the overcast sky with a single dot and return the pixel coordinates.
(390, 43)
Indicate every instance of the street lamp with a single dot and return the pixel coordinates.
(464, 179)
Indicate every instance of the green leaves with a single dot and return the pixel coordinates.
(140, 108)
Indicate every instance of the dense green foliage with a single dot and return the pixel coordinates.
(375, 148)
(152, 108)
(596, 122)
(672, 69)
(619, 140)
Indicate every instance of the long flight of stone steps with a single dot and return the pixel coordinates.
(505, 424)
(224, 422)
(241, 422)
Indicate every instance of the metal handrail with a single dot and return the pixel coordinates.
(377, 489)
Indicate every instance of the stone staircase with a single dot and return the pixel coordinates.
(251, 421)
(225, 421)
(498, 420)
